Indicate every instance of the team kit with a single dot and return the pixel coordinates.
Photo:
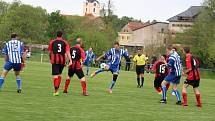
(167, 69)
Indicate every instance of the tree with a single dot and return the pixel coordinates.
(58, 22)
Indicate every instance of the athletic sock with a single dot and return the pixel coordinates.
(112, 84)
(142, 80)
(66, 84)
(185, 98)
(59, 81)
(84, 86)
(158, 89)
(18, 81)
(177, 94)
(164, 92)
(1, 82)
(56, 84)
(167, 86)
(138, 81)
(198, 100)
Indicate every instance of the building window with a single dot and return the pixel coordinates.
(94, 10)
(128, 37)
(86, 9)
(86, 4)
(123, 37)
(94, 4)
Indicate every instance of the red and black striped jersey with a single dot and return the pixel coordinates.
(58, 49)
(77, 55)
(160, 69)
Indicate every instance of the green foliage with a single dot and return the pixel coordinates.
(201, 37)
(28, 22)
(58, 22)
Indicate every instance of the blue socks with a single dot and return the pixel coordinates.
(164, 92)
(112, 84)
(177, 94)
(18, 81)
(87, 70)
(1, 82)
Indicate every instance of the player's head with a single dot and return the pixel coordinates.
(116, 45)
(13, 36)
(139, 51)
(59, 34)
(169, 49)
(186, 50)
(79, 41)
(162, 58)
(90, 49)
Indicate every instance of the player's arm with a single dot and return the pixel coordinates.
(5, 52)
(100, 57)
(154, 67)
(83, 54)
(50, 49)
(188, 66)
(68, 54)
(170, 63)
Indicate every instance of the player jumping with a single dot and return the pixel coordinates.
(78, 55)
(115, 55)
(193, 77)
(174, 64)
(58, 48)
(14, 58)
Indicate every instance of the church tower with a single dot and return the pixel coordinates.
(92, 7)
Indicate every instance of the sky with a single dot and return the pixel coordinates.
(143, 10)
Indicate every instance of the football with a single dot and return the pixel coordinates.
(103, 65)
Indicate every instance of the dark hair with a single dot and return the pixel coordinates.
(139, 49)
(164, 56)
(59, 34)
(13, 35)
(186, 49)
(116, 43)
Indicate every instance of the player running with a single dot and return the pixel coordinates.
(58, 49)
(78, 55)
(174, 64)
(114, 55)
(13, 52)
(90, 57)
(193, 77)
(160, 70)
(140, 60)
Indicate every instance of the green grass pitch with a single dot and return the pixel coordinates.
(127, 103)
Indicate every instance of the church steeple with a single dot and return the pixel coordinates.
(92, 7)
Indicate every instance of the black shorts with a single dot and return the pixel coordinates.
(140, 69)
(158, 81)
(57, 69)
(79, 73)
(194, 83)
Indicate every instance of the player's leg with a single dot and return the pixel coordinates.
(88, 68)
(142, 79)
(56, 72)
(184, 92)
(138, 76)
(7, 67)
(197, 93)
(107, 68)
(71, 73)
(17, 69)
(113, 83)
(163, 84)
(157, 85)
(80, 75)
(175, 90)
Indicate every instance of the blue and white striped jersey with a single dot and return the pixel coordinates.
(174, 63)
(14, 49)
(115, 56)
(89, 56)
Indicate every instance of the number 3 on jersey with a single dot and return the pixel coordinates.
(73, 54)
(59, 48)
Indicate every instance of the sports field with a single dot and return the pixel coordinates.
(127, 103)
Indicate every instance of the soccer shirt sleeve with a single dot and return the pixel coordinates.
(50, 46)
(125, 54)
(22, 49)
(82, 54)
(170, 63)
(4, 50)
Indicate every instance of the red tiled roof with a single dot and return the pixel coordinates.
(135, 25)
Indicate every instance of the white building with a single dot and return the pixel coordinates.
(92, 7)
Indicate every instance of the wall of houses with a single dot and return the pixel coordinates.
(179, 27)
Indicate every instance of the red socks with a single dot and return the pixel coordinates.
(66, 84)
(185, 98)
(199, 104)
(57, 82)
(84, 86)
(167, 86)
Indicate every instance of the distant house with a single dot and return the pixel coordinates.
(137, 34)
(92, 8)
(184, 20)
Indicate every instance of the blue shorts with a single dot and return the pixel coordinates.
(15, 66)
(173, 79)
(87, 63)
(114, 69)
